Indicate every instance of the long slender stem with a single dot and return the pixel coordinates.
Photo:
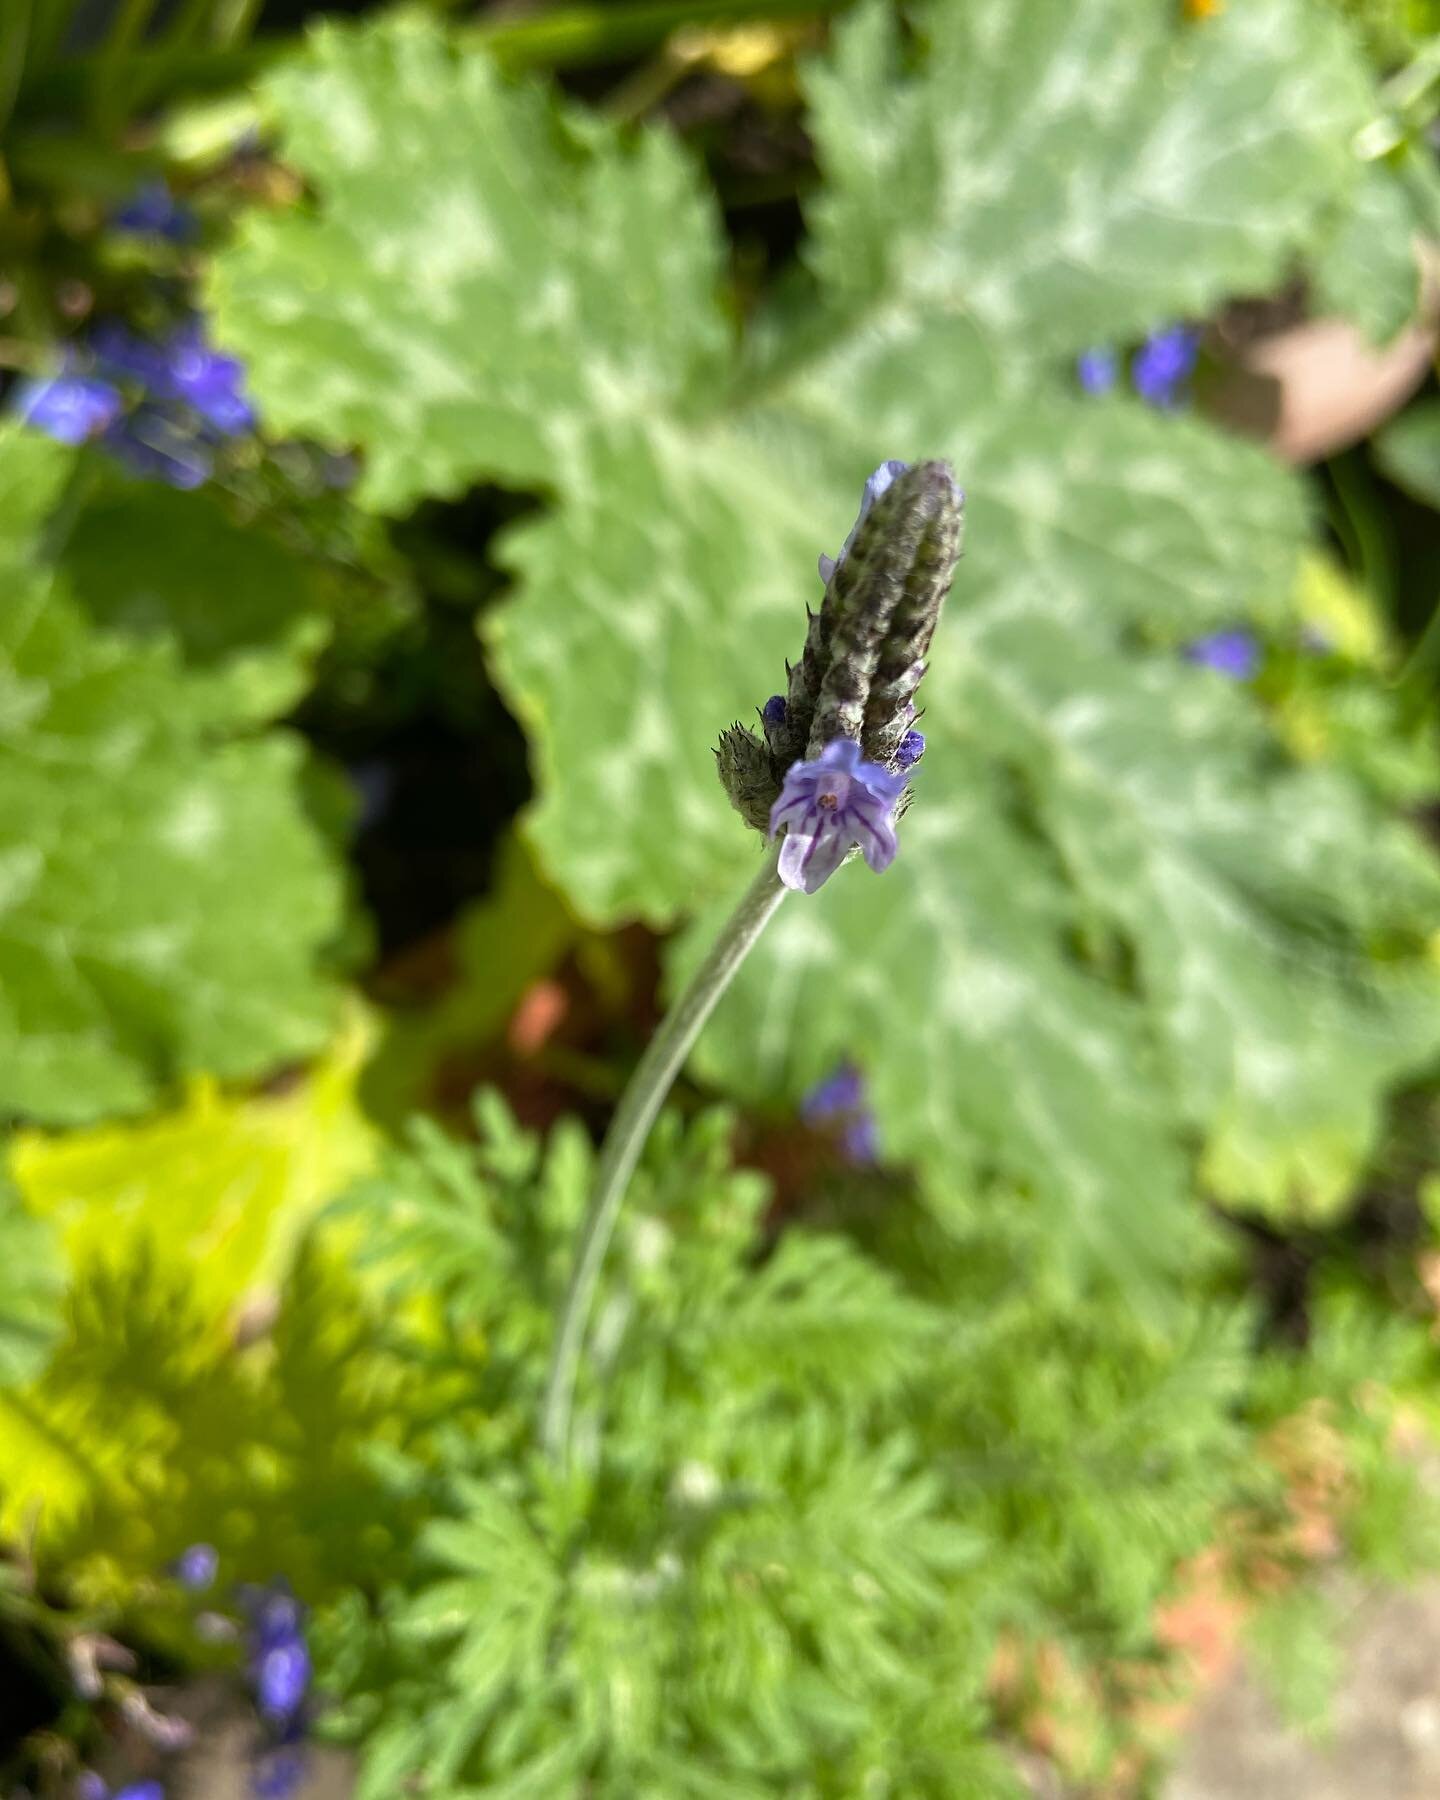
(654, 1075)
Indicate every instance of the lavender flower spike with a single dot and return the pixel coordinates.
(875, 486)
(864, 651)
(828, 807)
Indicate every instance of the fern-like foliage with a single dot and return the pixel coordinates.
(812, 1485)
(156, 1432)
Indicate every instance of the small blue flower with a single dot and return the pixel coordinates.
(275, 1614)
(278, 1773)
(841, 1092)
(840, 1100)
(1097, 369)
(153, 211)
(1164, 363)
(773, 711)
(860, 1141)
(120, 353)
(208, 380)
(1234, 653)
(910, 749)
(875, 486)
(279, 1658)
(152, 444)
(196, 1567)
(281, 1674)
(827, 807)
(141, 1790)
(68, 407)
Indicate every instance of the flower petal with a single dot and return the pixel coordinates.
(790, 809)
(841, 753)
(876, 838)
(808, 860)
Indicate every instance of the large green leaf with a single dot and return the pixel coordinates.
(1240, 889)
(1036, 177)
(163, 895)
(468, 243)
(152, 563)
(1408, 450)
(1068, 173)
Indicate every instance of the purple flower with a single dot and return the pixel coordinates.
(875, 486)
(153, 211)
(1234, 653)
(282, 1677)
(828, 806)
(142, 1790)
(860, 1141)
(279, 1659)
(275, 1614)
(910, 749)
(121, 353)
(773, 711)
(841, 1092)
(1164, 363)
(1097, 369)
(68, 407)
(152, 444)
(277, 1773)
(195, 1568)
(840, 1100)
(207, 380)
(90, 1786)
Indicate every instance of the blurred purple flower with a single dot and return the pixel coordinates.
(208, 380)
(123, 354)
(282, 1679)
(68, 407)
(827, 807)
(196, 1567)
(90, 1786)
(840, 1100)
(860, 1141)
(1164, 363)
(1097, 369)
(875, 486)
(152, 444)
(279, 1658)
(841, 1092)
(278, 1773)
(1234, 653)
(275, 1614)
(141, 1790)
(153, 211)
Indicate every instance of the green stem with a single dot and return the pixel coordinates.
(654, 1075)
